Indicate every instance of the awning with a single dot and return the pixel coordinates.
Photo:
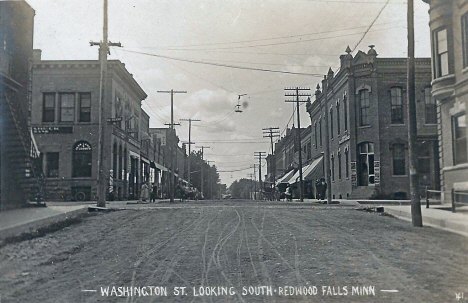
(309, 172)
(285, 178)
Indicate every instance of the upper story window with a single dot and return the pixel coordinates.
(331, 123)
(85, 107)
(320, 130)
(441, 53)
(430, 107)
(67, 107)
(464, 24)
(315, 135)
(397, 105)
(48, 109)
(338, 126)
(345, 111)
(364, 107)
(459, 139)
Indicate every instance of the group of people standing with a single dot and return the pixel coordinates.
(320, 190)
(148, 193)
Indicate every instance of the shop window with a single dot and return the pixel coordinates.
(82, 159)
(85, 107)
(52, 165)
(364, 107)
(67, 107)
(459, 139)
(48, 110)
(399, 163)
(339, 166)
(397, 105)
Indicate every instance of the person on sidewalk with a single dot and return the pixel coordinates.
(154, 192)
(288, 193)
(144, 193)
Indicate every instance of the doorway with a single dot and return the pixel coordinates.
(366, 173)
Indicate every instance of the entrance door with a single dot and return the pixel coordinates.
(366, 174)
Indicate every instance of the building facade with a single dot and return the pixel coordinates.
(364, 108)
(449, 40)
(21, 178)
(65, 121)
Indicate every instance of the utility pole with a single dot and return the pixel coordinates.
(255, 181)
(259, 156)
(272, 132)
(171, 147)
(297, 93)
(251, 176)
(201, 166)
(189, 144)
(416, 216)
(103, 172)
(209, 178)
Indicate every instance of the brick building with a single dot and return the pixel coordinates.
(21, 178)
(449, 40)
(65, 121)
(367, 126)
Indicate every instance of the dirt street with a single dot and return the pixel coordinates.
(237, 251)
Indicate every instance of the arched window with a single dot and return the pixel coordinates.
(397, 105)
(339, 165)
(315, 135)
(82, 159)
(364, 107)
(331, 123)
(338, 120)
(345, 111)
(399, 163)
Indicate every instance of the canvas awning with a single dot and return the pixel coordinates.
(285, 178)
(309, 172)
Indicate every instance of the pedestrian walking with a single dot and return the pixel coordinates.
(288, 193)
(144, 193)
(154, 192)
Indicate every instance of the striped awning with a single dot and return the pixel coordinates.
(285, 178)
(309, 172)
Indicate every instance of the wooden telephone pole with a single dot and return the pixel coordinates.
(171, 147)
(272, 132)
(259, 156)
(297, 93)
(416, 216)
(103, 172)
(201, 167)
(189, 145)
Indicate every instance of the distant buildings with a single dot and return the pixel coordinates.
(21, 176)
(449, 40)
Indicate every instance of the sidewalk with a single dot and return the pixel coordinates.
(440, 217)
(17, 221)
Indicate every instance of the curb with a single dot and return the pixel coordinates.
(442, 224)
(31, 226)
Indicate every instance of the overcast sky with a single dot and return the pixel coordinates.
(300, 36)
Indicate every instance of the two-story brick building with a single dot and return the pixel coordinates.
(366, 106)
(65, 121)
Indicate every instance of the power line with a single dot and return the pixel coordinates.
(226, 65)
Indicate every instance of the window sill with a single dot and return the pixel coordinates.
(465, 70)
(364, 126)
(397, 125)
(400, 176)
(456, 167)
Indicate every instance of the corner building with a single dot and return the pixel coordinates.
(449, 41)
(65, 121)
(366, 105)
